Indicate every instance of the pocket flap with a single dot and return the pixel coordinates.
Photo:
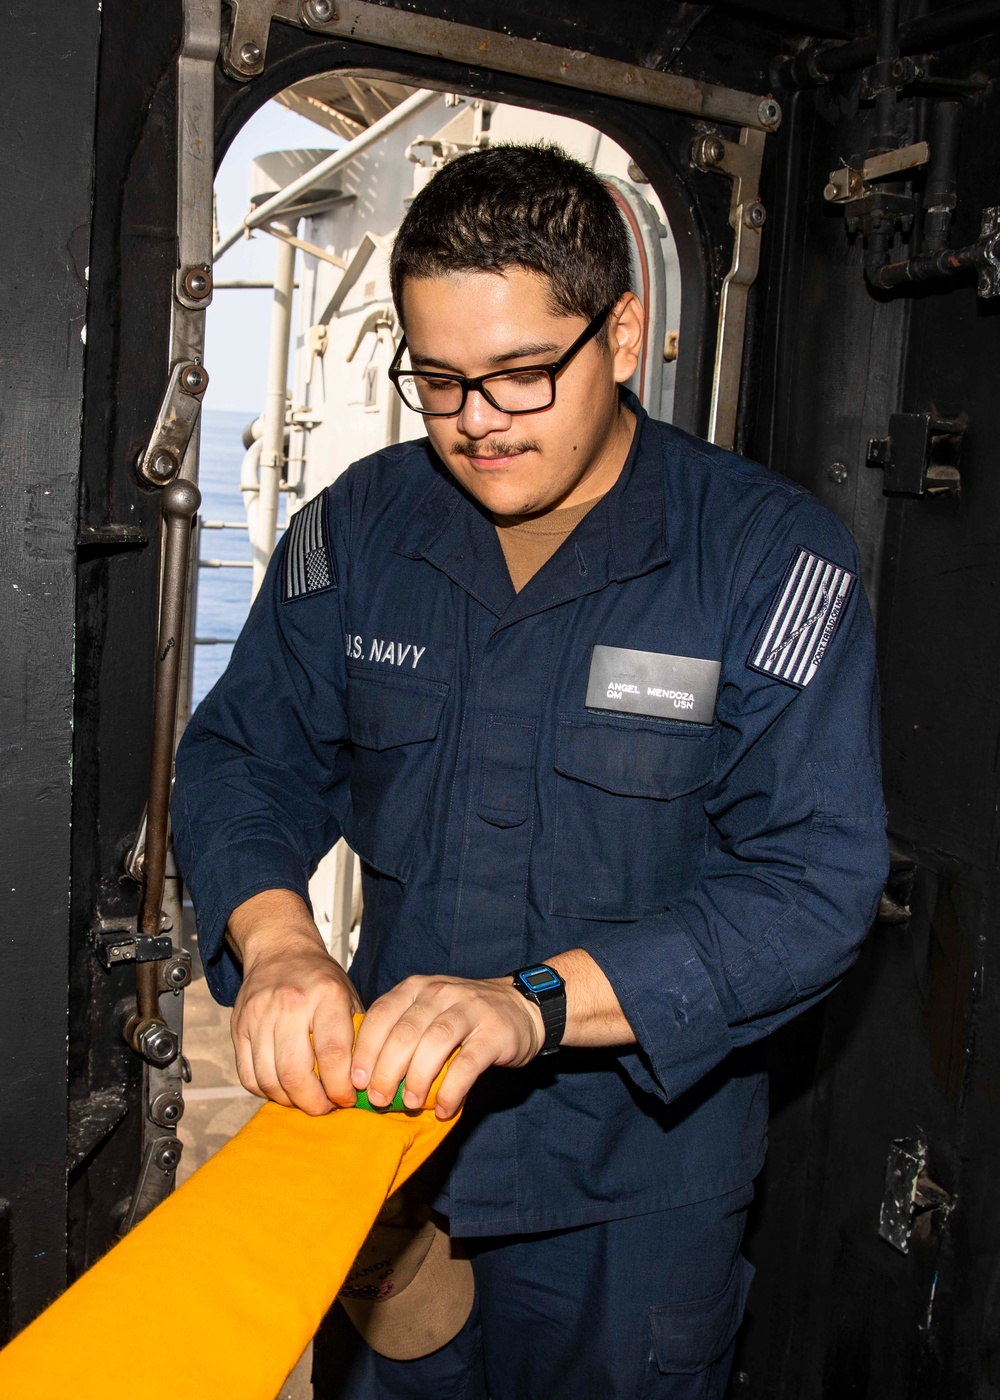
(688, 1337)
(637, 761)
(384, 713)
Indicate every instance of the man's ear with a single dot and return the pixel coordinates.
(626, 328)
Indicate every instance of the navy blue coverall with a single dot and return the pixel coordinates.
(390, 686)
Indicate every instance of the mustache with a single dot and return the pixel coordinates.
(493, 447)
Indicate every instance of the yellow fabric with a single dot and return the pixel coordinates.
(222, 1286)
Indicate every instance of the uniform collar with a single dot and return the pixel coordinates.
(622, 537)
(452, 531)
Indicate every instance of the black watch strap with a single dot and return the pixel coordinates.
(543, 985)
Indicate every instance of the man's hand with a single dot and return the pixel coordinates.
(411, 1031)
(294, 1010)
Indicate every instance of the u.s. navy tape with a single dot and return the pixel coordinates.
(803, 618)
(653, 683)
(308, 567)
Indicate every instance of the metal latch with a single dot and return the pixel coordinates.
(123, 947)
(741, 161)
(851, 182)
(920, 455)
(910, 1194)
(245, 49)
(175, 423)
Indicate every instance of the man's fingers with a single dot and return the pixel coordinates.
(443, 1035)
(393, 1062)
(263, 1071)
(464, 1070)
(410, 1032)
(294, 1064)
(333, 1038)
(287, 1002)
(244, 1064)
(380, 1022)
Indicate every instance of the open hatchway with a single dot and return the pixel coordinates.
(329, 331)
(878, 1200)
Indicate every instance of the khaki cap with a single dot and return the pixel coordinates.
(408, 1291)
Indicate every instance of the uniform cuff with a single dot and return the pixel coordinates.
(220, 882)
(668, 999)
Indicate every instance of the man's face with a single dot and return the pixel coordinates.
(473, 323)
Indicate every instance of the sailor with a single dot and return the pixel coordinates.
(595, 704)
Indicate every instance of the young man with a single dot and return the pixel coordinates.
(595, 703)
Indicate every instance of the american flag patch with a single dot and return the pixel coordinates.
(308, 566)
(804, 616)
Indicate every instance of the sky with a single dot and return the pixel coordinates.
(238, 324)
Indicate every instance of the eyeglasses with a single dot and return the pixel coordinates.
(525, 390)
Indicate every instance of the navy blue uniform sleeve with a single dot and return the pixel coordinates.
(796, 850)
(262, 768)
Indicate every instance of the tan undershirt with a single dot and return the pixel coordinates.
(528, 544)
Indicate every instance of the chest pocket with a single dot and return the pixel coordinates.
(392, 721)
(629, 818)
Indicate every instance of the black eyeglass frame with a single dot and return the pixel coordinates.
(479, 384)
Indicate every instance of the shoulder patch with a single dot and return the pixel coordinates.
(802, 620)
(308, 564)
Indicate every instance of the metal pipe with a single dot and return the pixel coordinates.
(190, 469)
(947, 25)
(941, 194)
(272, 452)
(944, 263)
(935, 258)
(886, 49)
(180, 503)
(243, 286)
(264, 213)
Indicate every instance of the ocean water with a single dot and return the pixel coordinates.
(223, 594)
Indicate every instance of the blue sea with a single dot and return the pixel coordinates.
(223, 594)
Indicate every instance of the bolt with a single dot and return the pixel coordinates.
(197, 283)
(755, 215)
(837, 473)
(251, 55)
(167, 1108)
(163, 465)
(713, 152)
(158, 1044)
(320, 11)
(167, 1156)
(194, 379)
(177, 975)
(769, 114)
(636, 174)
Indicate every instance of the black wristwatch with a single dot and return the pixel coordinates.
(543, 985)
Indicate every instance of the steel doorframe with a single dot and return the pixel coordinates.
(755, 114)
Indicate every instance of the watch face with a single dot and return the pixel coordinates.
(539, 979)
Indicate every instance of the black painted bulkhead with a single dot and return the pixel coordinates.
(909, 1044)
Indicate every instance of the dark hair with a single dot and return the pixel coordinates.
(530, 206)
